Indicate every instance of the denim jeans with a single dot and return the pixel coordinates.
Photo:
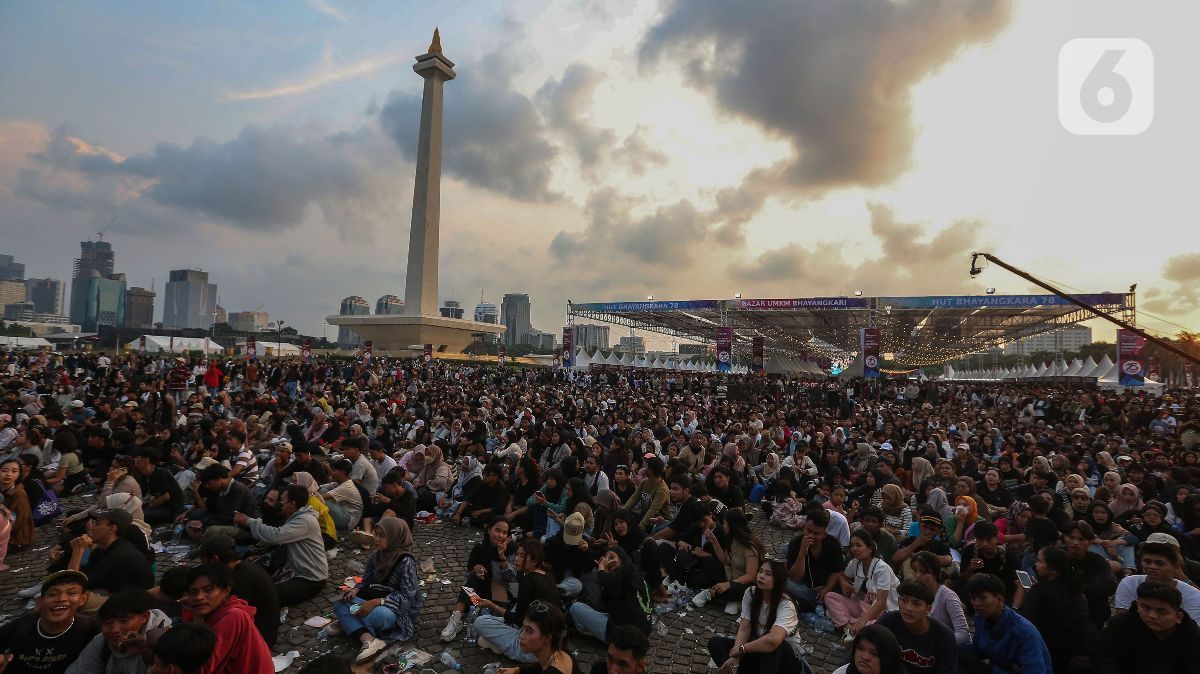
(381, 619)
(341, 518)
(804, 596)
(503, 636)
(1124, 555)
(589, 620)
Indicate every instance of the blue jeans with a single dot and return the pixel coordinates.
(805, 597)
(381, 619)
(341, 518)
(503, 636)
(589, 620)
(1124, 555)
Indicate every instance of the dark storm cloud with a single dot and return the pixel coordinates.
(494, 136)
(833, 78)
(265, 179)
(566, 103)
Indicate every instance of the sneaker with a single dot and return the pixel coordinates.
(362, 538)
(733, 608)
(370, 650)
(847, 637)
(453, 625)
(487, 645)
(701, 598)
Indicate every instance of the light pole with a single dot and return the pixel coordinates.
(278, 337)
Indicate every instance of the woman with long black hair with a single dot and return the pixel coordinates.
(874, 651)
(737, 556)
(488, 560)
(624, 598)
(527, 479)
(767, 617)
(625, 533)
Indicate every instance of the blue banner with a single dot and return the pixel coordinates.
(995, 301)
(802, 303)
(626, 307)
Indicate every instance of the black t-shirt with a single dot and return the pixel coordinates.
(1002, 566)
(161, 482)
(252, 583)
(933, 652)
(121, 566)
(34, 654)
(817, 571)
(687, 516)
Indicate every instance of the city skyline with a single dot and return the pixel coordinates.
(597, 139)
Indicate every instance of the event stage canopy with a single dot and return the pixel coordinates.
(914, 331)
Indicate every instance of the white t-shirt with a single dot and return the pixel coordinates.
(838, 527)
(878, 576)
(1127, 594)
(785, 616)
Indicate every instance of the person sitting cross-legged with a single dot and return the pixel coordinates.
(300, 539)
(1154, 635)
(1004, 640)
(767, 617)
(500, 628)
(384, 606)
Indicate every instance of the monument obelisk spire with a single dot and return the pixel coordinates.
(421, 285)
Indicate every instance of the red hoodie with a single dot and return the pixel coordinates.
(212, 376)
(240, 648)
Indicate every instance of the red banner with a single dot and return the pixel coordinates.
(1131, 368)
(306, 350)
(724, 349)
(1152, 370)
(428, 355)
(251, 348)
(756, 363)
(501, 356)
(367, 352)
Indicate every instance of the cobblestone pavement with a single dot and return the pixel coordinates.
(681, 650)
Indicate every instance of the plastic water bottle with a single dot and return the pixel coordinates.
(470, 634)
(283, 615)
(178, 534)
(448, 660)
(822, 624)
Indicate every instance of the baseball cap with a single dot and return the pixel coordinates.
(119, 518)
(215, 545)
(63, 577)
(1161, 537)
(76, 403)
(573, 529)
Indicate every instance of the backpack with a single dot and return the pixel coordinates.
(44, 501)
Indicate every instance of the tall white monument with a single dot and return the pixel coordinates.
(421, 287)
(421, 323)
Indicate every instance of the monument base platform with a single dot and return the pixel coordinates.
(402, 333)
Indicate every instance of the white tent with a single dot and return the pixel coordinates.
(1074, 368)
(582, 360)
(626, 359)
(274, 349)
(1089, 366)
(1041, 370)
(24, 342)
(164, 344)
(1104, 368)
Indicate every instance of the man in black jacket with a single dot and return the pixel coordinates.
(218, 496)
(1155, 635)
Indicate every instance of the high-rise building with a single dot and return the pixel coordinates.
(543, 341)
(451, 309)
(588, 336)
(139, 308)
(514, 314)
(486, 312)
(48, 295)
(12, 291)
(633, 344)
(98, 257)
(389, 305)
(190, 300)
(351, 306)
(1074, 338)
(220, 315)
(249, 321)
(10, 269)
(99, 300)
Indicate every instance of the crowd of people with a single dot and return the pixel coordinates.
(939, 526)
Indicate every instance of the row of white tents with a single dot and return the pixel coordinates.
(1105, 372)
(779, 364)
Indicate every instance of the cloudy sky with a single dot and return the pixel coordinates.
(596, 151)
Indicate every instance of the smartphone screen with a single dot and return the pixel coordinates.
(1025, 580)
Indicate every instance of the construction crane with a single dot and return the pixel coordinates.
(1162, 343)
(100, 234)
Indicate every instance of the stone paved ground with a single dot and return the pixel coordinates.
(681, 650)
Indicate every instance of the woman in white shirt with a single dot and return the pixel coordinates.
(868, 587)
(766, 620)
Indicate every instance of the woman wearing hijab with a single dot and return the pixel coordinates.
(383, 607)
(766, 471)
(469, 475)
(1127, 502)
(921, 470)
(317, 503)
(433, 478)
(897, 516)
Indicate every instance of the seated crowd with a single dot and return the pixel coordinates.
(938, 527)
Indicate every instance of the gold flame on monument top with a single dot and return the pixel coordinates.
(435, 47)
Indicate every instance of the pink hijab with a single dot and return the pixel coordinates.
(1118, 506)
